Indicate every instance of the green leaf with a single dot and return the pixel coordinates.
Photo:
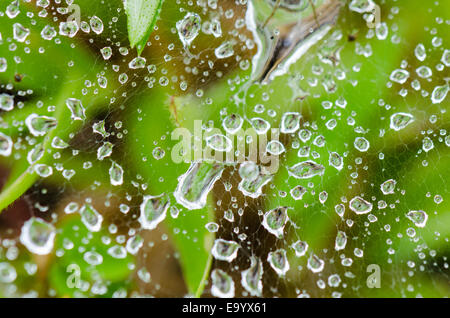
(142, 16)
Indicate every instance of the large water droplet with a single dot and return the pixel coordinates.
(300, 248)
(6, 102)
(225, 250)
(116, 174)
(219, 142)
(419, 218)
(188, 28)
(153, 210)
(12, 10)
(222, 284)
(251, 278)
(290, 122)
(362, 144)
(20, 32)
(91, 218)
(105, 150)
(336, 161)
(315, 264)
(8, 273)
(76, 108)
(194, 186)
(278, 261)
(306, 169)
(5, 145)
(224, 50)
(361, 6)
(40, 125)
(341, 241)
(38, 236)
(69, 29)
(439, 93)
(275, 220)
(399, 76)
(401, 120)
(360, 206)
(232, 123)
(96, 24)
(388, 186)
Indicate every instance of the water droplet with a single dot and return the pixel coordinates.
(315, 264)
(381, 31)
(116, 174)
(439, 93)
(274, 147)
(225, 250)
(401, 120)
(420, 52)
(134, 244)
(99, 128)
(361, 6)
(48, 32)
(388, 186)
(219, 142)
(194, 186)
(117, 252)
(360, 206)
(212, 227)
(399, 76)
(36, 153)
(137, 62)
(105, 150)
(6, 145)
(12, 10)
(222, 284)
(336, 161)
(188, 28)
(224, 50)
(446, 58)
(278, 261)
(419, 218)
(251, 278)
(58, 143)
(91, 218)
(232, 123)
(300, 248)
(69, 29)
(153, 210)
(290, 122)
(249, 170)
(8, 273)
(341, 241)
(106, 52)
(38, 236)
(76, 108)
(275, 220)
(93, 258)
(306, 169)
(253, 188)
(427, 144)
(40, 125)
(424, 71)
(297, 192)
(261, 126)
(3, 62)
(43, 170)
(334, 280)
(362, 144)
(96, 24)
(20, 32)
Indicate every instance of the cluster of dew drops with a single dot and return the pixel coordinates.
(38, 235)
